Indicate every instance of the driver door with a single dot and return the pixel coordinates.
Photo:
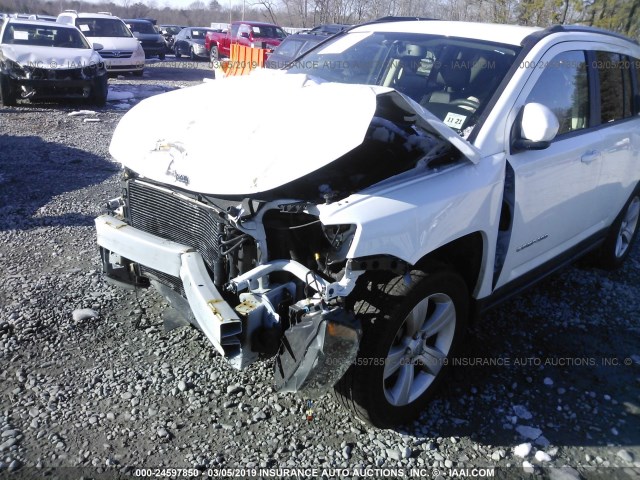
(556, 195)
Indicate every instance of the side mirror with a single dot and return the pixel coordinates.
(538, 127)
(244, 34)
(98, 46)
(188, 37)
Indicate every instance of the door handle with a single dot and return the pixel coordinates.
(590, 156)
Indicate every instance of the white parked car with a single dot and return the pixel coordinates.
(40, 59)
(444, 167)
(121, 51)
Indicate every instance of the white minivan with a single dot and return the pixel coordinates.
(121, 51)
(442, 167)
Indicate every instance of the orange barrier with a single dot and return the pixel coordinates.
(243, 60)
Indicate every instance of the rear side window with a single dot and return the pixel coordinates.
(563, 87)
(616, 91)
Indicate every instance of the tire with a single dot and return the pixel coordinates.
(623, 231)
(214, 54)
(99, 91)
(176, 52)
(192, 54)
(7, 91)
(404, 347)
(138, 73)
(161, 56)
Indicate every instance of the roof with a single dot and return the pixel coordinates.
(89, 15)
(492, 32)
(251, 22)
(42, 23)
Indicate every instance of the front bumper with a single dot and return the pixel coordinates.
(154, 50)
(214, 315)
(56, 88)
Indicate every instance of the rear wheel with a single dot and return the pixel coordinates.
(622, 233)
(161, 56)
(7, 91)
(405, 347)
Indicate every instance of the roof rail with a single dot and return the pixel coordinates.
(105, 13)
(70, 11)
(537, 36)
(393, 18)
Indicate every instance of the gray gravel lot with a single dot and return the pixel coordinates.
(91, 384)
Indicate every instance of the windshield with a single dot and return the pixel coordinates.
(200, 33)
(263, 31)
(453, 78)
(44, 36)
(103, 27)
(172, 30)
(141, 27)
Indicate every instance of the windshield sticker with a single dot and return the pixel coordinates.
(343, 43)
(256, 29)
(84, 27)
(20, 35)
(454, 120)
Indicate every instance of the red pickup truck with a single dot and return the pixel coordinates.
(256, 34)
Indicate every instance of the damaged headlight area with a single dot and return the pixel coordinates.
(259, 278)
(14, 69)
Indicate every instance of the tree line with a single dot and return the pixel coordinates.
(622, 16)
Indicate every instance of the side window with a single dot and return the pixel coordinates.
(616, 93)
(636, 62)
(564, 88)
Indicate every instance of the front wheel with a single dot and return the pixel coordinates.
(99, 91)
(213, 54)
(161, 56)
(176, 52)
(622, 233)
(406, 347)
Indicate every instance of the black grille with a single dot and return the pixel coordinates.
(174, 283)
(52, 74)
(175, 218)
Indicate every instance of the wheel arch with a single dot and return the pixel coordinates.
(465, 255)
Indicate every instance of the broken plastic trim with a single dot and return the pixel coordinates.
(316, 352)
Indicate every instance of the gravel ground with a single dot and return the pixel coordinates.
(91, 384)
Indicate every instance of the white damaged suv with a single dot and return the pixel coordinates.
(439, 168)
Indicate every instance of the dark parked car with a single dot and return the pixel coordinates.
(169, 33)
(190, 41)
(329, 29)
(295, 45)
(152, 42)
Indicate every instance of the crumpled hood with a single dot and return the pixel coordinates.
(51, 58)
(246, 135)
